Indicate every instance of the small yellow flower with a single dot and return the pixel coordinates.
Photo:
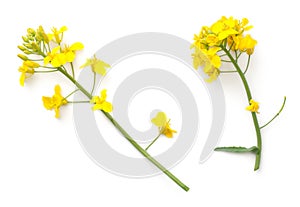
(27, 70)
(97, 65)
(57, 34)
(69, 51)
(100, 103)
(54, 102)
(253, 107)
(160, 120)
(55, 58)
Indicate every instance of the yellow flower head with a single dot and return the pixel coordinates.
(163, 124)
(100, 103)
(253, 107)
(55, 57)
(54, 102)
(210, 60)
(69, 51)
(57, 34)
(27, 70)
(97, 65)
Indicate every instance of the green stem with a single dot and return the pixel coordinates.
(127, 136)
(228, 71)
(254, 117)
(45, 71)
(94, 82)
(75, 102)
(248, 63)
(275, 114)
(72, 67)
(156, 138)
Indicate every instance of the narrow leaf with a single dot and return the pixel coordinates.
(253, 149)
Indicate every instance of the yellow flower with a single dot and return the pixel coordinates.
(56, 59)
(253, 107)
(160, 120)
(247, 44)
(97, 65)
(55, 102)
(27, 70)
(69, 51)
(57, 34)
(100, 103)
(210, 60)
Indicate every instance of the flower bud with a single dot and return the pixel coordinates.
(27, 52)
(31, 31)
(23, 57)
(25, 39)
(21, 48)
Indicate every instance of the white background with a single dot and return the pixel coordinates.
(43, 164)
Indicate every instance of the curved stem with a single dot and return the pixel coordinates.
(249, 96)
(275, 114)
(248, 63)
(94, 82)
(127, 136)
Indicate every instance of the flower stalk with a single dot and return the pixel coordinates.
(126, 135)
(249, 96)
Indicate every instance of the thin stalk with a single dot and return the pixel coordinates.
(75, 102)
(94, 82)
(72, 67)
(154, 140)
(228, 71)
(248, 63)
(127, 136)
(275, 114)
(45, 71)
(254, 117)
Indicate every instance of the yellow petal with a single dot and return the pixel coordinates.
(76, 46)
(103, 94)
(99, 67)
(62, 29)
(55, 50)
(107, 107)
(22, 79)
(87, 63)
(47, 102)
(57, 89)
(160, 119)
(70, 56)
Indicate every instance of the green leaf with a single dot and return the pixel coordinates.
(253, 149)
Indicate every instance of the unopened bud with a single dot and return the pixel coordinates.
(25, 39)
(27, 52)
(31, 31)
(23, 57)
(21, 48)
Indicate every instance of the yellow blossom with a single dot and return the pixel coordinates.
(163, 124)
(57, 34)
(97, 65)
(210, 60)
(100, 103)
(54, 102)
(55, 58)
(27, 70)
(69, 51)
(253, 107)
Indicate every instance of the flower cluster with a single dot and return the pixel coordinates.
(46, 53)
(210, 42)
